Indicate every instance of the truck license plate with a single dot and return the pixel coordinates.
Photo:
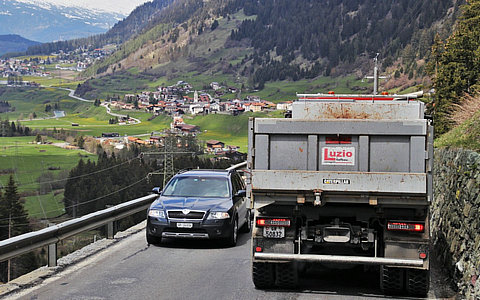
(274, 232)
(184, 225)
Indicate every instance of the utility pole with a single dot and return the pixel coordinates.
(168, 168)
(9, 236)
(168, 153)
(375, 76)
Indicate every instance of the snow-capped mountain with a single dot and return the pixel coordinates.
(123, 7)
(53, 20)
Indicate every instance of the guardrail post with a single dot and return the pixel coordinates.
(52, 255)
(110, 230)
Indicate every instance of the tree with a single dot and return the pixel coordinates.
(214, 25)
(13, 222)
(456, 65)
(80, 141)
(38, 138)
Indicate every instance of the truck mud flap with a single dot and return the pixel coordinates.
(278, 257)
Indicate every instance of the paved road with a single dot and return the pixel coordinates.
(190, 270)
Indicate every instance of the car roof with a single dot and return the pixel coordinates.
(202, 172)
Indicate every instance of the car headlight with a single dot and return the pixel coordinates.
(156, 213)
(218, 215)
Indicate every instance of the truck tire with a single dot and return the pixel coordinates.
(286, 275)
(248, 223)
(263, 275)
(153, 240)
(418, 282)
(392, 280)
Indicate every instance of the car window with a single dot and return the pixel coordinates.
(198, 186)
(241, 181)
(237, 183)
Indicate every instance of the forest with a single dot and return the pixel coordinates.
(286, 34)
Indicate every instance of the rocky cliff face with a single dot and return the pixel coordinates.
(456, 217)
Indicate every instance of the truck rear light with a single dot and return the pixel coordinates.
(343, 139)
(422, 255)
(273, 222)
(405, 226)
(258, 249)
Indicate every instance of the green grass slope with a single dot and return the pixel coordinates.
(27, 161)
(465, 135)
(232, 130)
(29, 100)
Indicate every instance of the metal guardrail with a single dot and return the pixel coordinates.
(50, 236)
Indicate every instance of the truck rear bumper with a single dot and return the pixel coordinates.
(362, 260)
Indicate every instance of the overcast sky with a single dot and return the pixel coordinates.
(118, 6)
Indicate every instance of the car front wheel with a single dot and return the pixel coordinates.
(248, 223)
(153, 240)
(232, 239)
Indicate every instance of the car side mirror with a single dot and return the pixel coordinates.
(241, 193)
(156, 190)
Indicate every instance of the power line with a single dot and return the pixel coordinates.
(79, 176)
(82, 203)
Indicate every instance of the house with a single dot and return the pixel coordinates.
(196, 109)
(287, 105)
(214, 146)
(187, 128)
(204, 98)
(215, 106)
(256, 107)
(214, 85)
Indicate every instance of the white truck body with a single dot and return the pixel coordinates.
(346, 180)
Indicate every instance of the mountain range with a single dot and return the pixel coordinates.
(14, 43)
(53, 20)
(271, 40)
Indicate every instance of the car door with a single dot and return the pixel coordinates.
(240, 202)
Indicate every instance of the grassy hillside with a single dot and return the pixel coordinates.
(232, 130)
(466, 135)
(29, 100)
(28, 161)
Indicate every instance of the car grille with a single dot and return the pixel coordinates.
(192, 215)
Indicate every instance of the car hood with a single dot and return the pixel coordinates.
(192, 203)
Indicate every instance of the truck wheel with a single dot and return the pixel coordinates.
(391, 280)
(248, 223)
(263, 275)
(418, 282)
(286, 275)
(153, 240)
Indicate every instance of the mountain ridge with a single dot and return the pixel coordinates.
(53, 23)
(14, 43)
(290, 41)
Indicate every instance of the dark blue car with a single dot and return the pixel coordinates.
(205, 204)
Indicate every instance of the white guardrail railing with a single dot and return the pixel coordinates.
(18, 245)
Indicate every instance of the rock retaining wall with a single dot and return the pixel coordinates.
(455, 218)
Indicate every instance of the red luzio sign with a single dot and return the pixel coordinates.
(338, 156)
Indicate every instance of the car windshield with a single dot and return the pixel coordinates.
(198, 186)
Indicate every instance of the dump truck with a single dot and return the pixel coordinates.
(345, 181)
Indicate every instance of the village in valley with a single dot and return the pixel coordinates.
(177, 100)
(73, 61)
(171, 100)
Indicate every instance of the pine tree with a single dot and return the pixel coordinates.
(457, 65)
(13, 222)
